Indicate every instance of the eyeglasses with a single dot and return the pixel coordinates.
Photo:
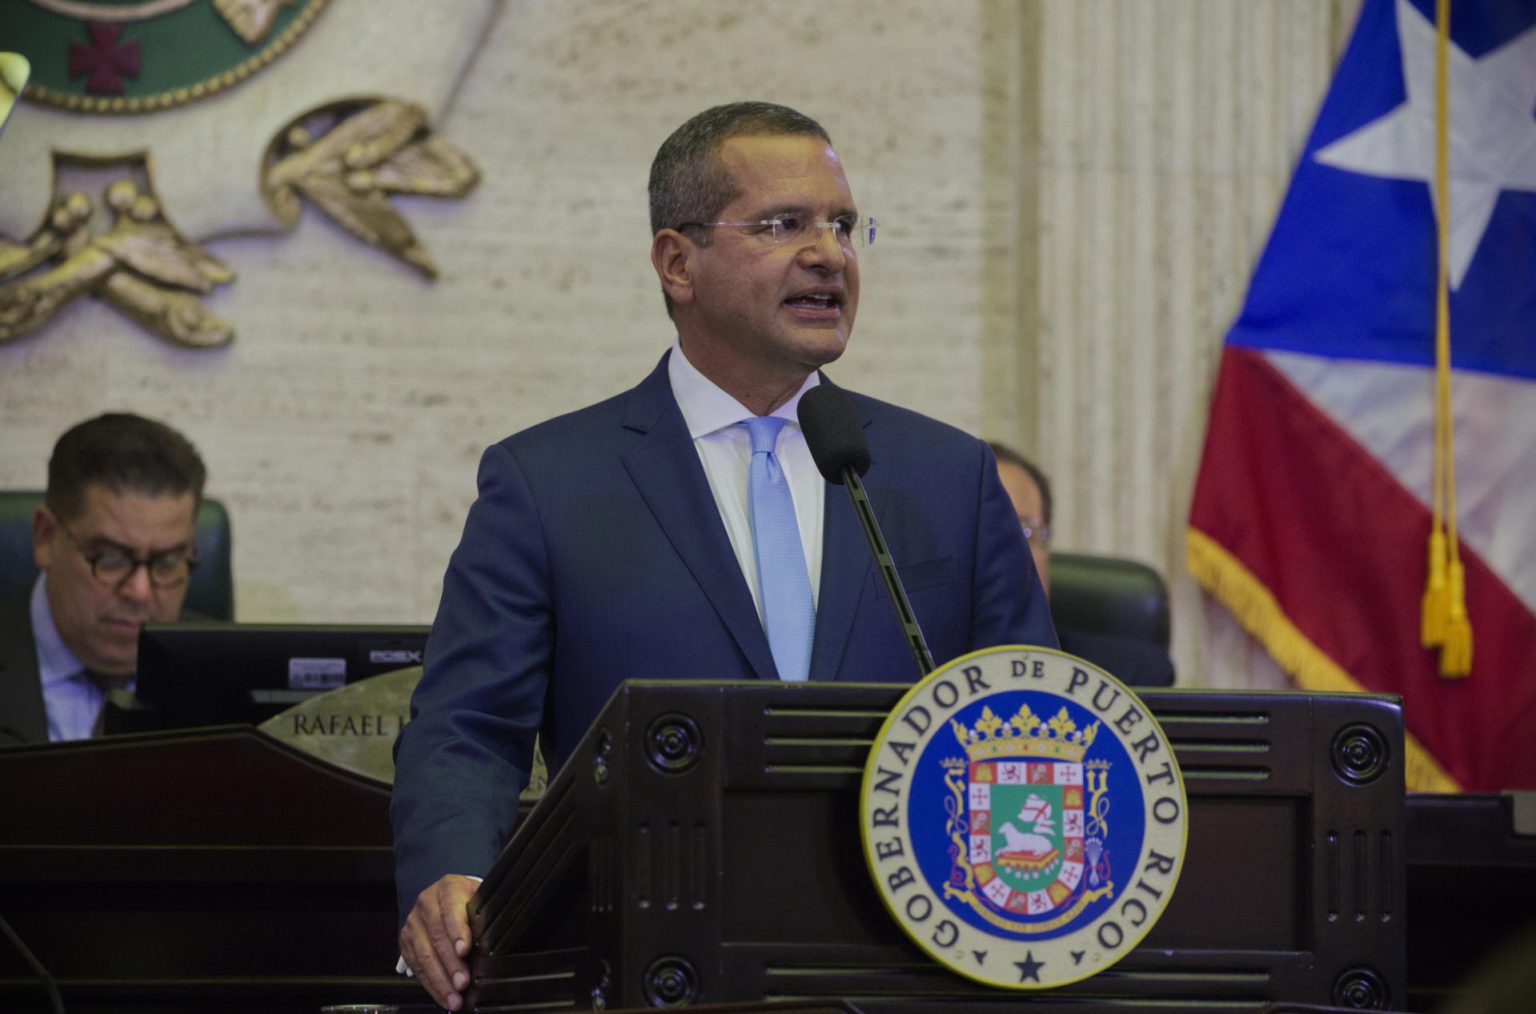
(116, 565)
(1036, 533)
(794, 229)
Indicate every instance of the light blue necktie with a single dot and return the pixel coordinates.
(782, 579)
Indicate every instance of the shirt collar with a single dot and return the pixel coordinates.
(55, 662)
(706, 408)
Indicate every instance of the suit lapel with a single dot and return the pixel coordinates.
(665, 468)
(845, 565)
(23, 718)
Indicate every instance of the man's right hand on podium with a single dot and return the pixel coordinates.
(435, 939)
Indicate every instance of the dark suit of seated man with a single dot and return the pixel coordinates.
(1129, 659)
(617, 542)
(114, 542)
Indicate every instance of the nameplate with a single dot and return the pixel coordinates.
(354, 727)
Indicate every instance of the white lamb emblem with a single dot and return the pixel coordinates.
(1036, 814)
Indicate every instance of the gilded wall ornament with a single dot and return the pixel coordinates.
(137, 56)
(14, 71)
(251, 19)
(140, 264)
(348, 157)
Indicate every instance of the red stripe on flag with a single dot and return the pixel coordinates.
(1340, 544)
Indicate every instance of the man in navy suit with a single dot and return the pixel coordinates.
(617, 543)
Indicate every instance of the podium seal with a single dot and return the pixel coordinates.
(1023, 817)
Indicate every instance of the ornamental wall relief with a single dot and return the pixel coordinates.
(106, 228)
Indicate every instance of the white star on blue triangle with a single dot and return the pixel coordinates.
(1492, 143)
(1349, 271)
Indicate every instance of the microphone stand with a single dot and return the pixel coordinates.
(902, 604)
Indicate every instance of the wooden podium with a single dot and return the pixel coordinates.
(207, 870)
(702, 846)
(218, 869)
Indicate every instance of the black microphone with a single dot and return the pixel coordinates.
(836, 439)
(832, 431)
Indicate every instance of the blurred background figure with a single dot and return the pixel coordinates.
(1505, 983)
(1132, 660)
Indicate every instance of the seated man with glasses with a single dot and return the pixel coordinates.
(114, 540)
(1132, 661)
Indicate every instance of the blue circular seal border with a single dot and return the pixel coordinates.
(1023, 817)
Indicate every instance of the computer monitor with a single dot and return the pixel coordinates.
(210, 673)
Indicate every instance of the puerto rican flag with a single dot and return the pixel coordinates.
(1311, 513)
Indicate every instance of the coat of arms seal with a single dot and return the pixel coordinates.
(1023, 817)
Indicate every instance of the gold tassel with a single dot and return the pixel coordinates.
(1443, 621)
(1456, 652)
(1435, 610)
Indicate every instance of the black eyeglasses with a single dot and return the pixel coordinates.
(114, 566)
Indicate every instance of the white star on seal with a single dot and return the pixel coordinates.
(1492, 136)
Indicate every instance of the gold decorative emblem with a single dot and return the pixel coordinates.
(14, 71)
(140, 56)
(250, 19)
(348, 157)
(140, 264)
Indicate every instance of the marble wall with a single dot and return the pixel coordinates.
(1072, 194)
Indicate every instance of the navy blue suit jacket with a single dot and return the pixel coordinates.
(23, 714)
(595, 553)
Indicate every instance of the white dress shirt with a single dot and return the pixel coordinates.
(725, 450)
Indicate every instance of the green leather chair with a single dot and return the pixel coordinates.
(1109, 595)
(211, 594)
